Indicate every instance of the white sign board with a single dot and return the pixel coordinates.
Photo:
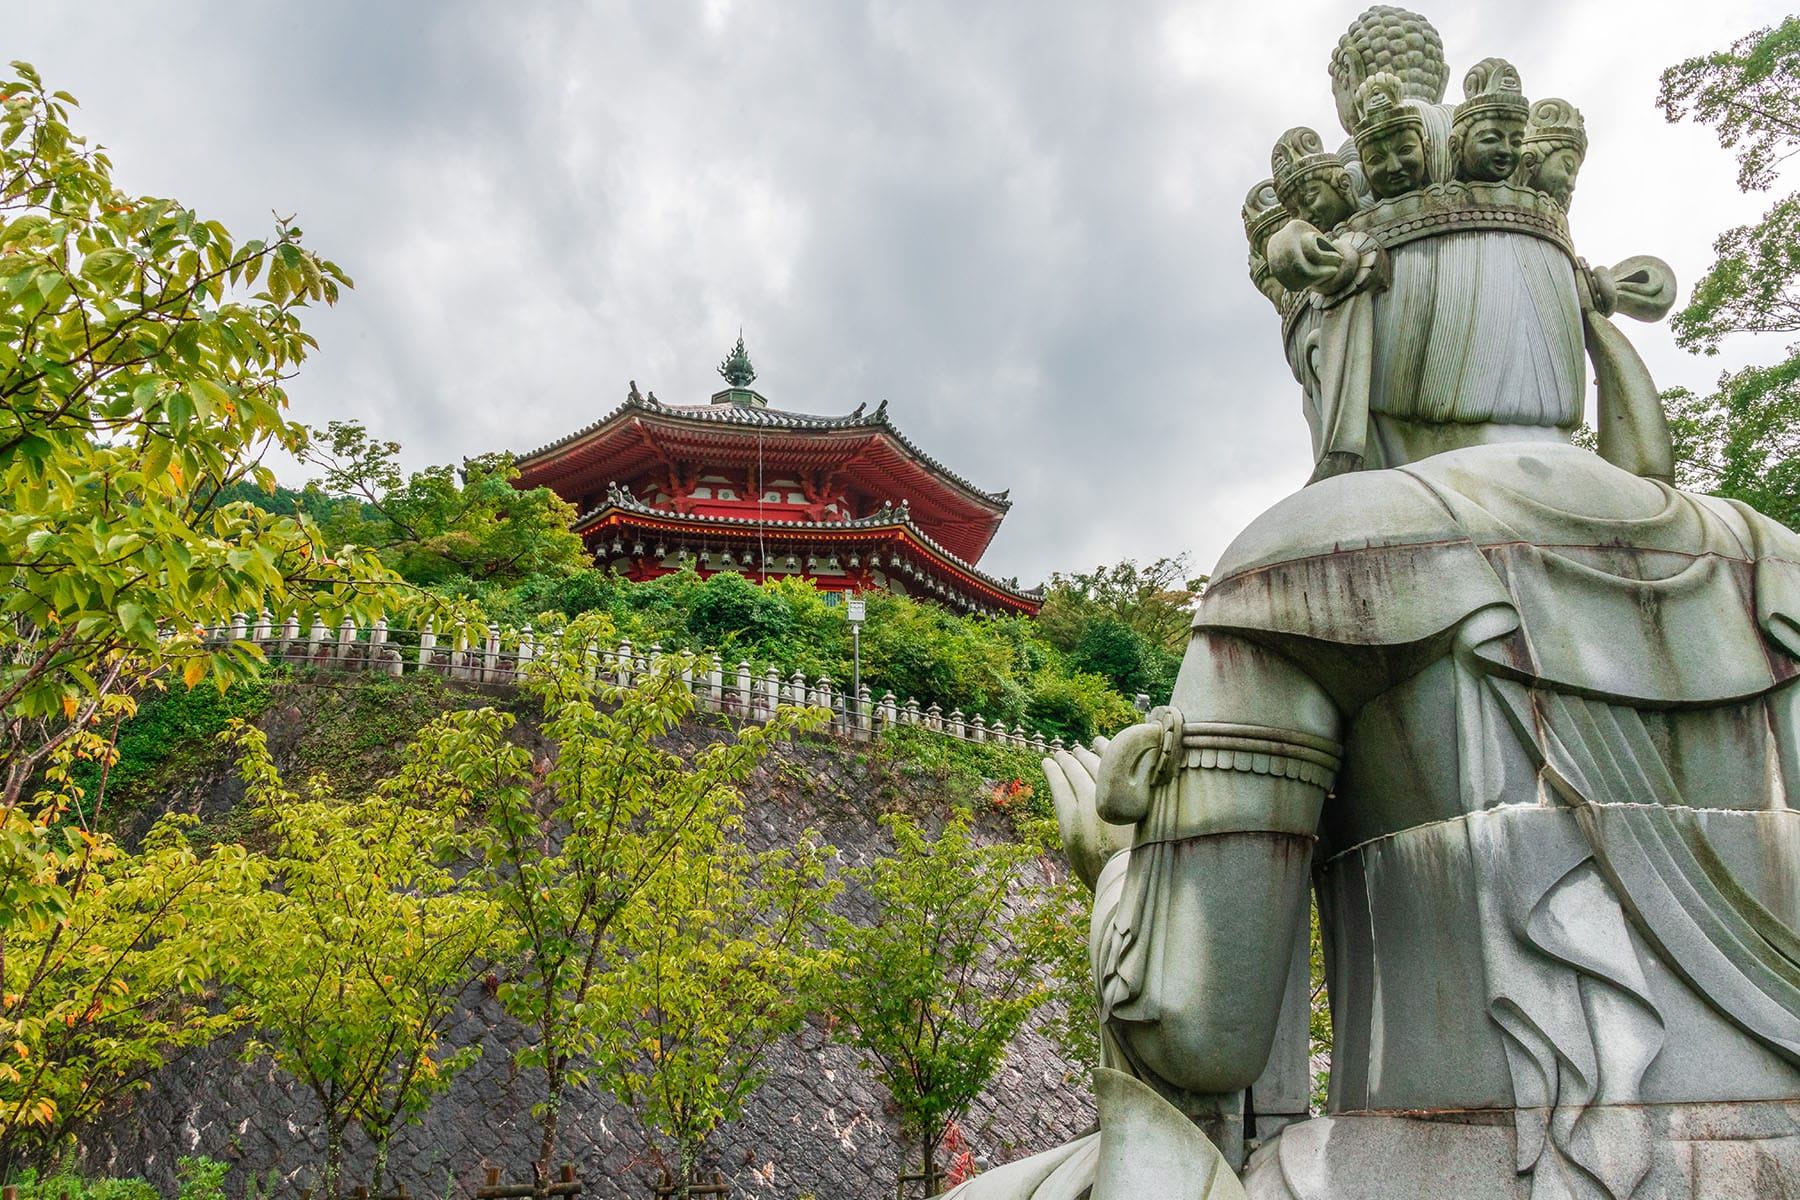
(855, 612)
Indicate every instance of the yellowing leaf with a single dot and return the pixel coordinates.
(195, 671)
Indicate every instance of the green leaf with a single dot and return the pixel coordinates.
(156, 456)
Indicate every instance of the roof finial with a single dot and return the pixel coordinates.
(736, 368)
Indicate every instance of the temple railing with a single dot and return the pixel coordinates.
(503, 656)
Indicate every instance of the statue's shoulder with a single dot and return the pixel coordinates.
(1359, 577)
(1368, 575)
(1361, 510)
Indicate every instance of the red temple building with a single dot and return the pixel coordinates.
(734, 485)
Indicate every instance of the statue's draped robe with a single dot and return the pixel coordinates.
(1481, 327)
(1560, 874)
(1478, 328)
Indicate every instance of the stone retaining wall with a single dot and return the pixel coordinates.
(820, 1126)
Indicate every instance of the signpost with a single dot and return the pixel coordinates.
(854, 611)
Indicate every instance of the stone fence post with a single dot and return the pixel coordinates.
(771, 695)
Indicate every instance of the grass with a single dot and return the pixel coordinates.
(967, 772)
(172, 733)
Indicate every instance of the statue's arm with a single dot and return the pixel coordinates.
(1223, 791)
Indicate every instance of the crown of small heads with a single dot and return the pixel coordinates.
(1556, 123)
(1263, 214)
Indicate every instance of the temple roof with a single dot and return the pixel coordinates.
(770, 418)
(896, 519)
(956, 511)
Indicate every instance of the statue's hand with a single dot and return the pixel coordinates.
(1646, 287)
(1641, 287)
(1303, 259)
(1088, 840)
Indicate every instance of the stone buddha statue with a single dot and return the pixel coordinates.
(1522, 719)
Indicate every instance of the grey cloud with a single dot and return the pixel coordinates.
(1017, 223)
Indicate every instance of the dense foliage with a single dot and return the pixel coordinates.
(143, 357)
(1739, 440)
(1002, 668)
(443, 525)
(583, 855)
(354, 954)
(1125, 623)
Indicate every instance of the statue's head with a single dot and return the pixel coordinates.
(1263, 215)
(1311, 182)
(1555, 144)
(1487, 132)
(1390, 137)
(1393, 40)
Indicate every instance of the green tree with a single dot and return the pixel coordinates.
(442, 524)
(1738, 441)
(1126, 623)
(920, 649)
(1076, 705)
(731, 963)
(942, 972)
(1061, 905)
(141, 372)
(573, 847)
(115, 980)
(1126, 658)
(355, 959)
(1157, 601)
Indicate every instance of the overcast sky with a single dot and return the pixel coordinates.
(1018, 223)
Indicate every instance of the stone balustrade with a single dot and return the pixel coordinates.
(503, 656)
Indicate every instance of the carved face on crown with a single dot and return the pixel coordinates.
(1390, 137)
(1487, 133)
(1488, 148)
(1555, 144)
(1394, 162)
(1347, 74)
(1321, 203)
(1555, 174)
(1313, 184)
